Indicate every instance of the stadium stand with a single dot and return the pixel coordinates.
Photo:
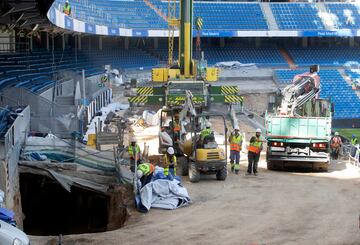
(267, 56)
(335, 56)
(138, 15)
(35, 71)
(345, 15)
(333, 86)
(297, 16)
(126, 14)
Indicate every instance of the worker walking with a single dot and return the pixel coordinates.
(134, 153)
(67, 8)
(144, 173)
(169, 162)
(235, 141)
(255, 149)
(335, 145)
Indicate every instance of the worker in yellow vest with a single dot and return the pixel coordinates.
(67, 8)
(134, 153)
(169, 162)
(144, 173)
(254, 151)
(235, 141)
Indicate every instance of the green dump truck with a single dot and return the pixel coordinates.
(299, 131)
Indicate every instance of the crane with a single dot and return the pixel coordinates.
(182, 75)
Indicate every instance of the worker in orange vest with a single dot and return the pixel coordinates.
(254, 151)
(176, 128)
(235, 140)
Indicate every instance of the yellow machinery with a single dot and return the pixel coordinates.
(204, 156)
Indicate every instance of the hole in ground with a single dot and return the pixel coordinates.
(50, 210)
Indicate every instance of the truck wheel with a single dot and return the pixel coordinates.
(194, 174)
(270, 165)
(221, 174)
(185, 167)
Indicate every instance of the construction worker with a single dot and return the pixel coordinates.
(335, 145)
(235, 140)
(255, 149)
(176, 128)
(134, 153)
(169, 162)
(144, 173)
(206, 134)
(354, 142)
(67, 8)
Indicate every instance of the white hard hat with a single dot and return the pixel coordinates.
(208, 124)
(139, 174)
(170, 150)
(258, 130)
(133, 139)
(236, 128)
(336, 133)
(67, 1)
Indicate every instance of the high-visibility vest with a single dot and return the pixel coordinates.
(205, 132)
(235, 142)
(255, 146)
(354, 141)
(146, 168)
(167, 163)
(176, 127)
(67, 9)
(131, 150)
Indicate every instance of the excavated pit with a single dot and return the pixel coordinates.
(51, 210)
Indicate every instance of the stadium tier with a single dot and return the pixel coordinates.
(35, 71)
(335, 56)
(297, 16)
(333, 86)
(344, 15)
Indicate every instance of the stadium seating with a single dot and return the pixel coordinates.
(338, 56)
(333, 86)
(137, 15)
(345, 15)
(297, 16)
(260, 56)
(35, 71)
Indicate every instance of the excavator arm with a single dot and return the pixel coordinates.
(304, 87)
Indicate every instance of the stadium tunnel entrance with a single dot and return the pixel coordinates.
(49, 209)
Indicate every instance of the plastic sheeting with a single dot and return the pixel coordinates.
(164, 194)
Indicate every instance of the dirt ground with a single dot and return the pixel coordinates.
(296, 207)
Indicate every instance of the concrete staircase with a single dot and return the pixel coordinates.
(288, 59)
(270, 19)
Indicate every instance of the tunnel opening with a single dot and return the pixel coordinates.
(51, 210)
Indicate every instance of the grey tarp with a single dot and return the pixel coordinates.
(164, 194)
